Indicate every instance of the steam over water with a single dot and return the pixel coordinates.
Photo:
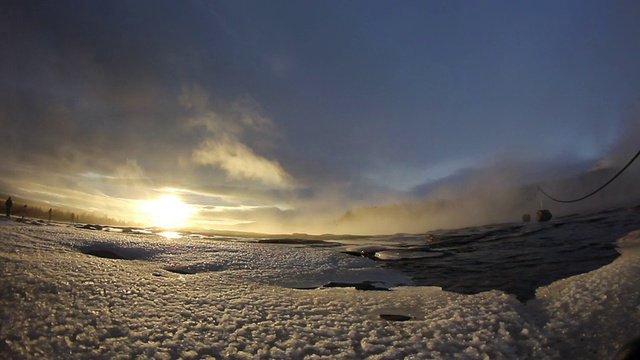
(515, 258)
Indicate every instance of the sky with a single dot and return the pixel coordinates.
(289, 116)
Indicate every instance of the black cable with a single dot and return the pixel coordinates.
(596, 190)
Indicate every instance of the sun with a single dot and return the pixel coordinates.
(166, 211)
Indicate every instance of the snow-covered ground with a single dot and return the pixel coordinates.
(192, 298)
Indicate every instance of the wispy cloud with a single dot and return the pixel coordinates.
(239, 161)
(227, 132)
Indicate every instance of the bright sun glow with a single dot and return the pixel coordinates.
(166, 211)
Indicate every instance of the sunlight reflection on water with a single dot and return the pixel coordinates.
(170, 234)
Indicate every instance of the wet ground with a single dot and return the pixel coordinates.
(515, 258)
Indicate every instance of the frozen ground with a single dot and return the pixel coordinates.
(194, 298)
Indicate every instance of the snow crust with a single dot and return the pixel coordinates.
(231, 302)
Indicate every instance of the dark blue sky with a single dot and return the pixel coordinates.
(305, 108)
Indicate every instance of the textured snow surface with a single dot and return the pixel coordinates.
(226, 301)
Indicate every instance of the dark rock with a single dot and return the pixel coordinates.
(183, 271)
(543, 215)
(287, 241)
(107, 254)
(395, 317)
(630, 351)
(365, 286)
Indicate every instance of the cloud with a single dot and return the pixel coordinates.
(130, 170)
(281, 63)
(240, 118)
(227, 131)
(239, 161)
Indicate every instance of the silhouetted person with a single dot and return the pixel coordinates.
(50, 212)
(24, 211)
(7, 205)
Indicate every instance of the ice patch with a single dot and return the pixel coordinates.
(405, 254)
